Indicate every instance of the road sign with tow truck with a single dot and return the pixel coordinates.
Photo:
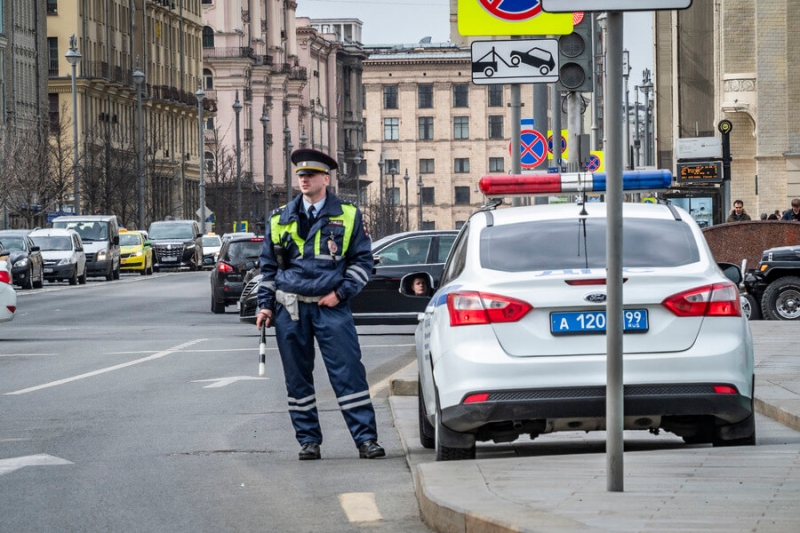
(517, 61)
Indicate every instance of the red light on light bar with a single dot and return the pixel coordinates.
(725, 389)
(494, 185)
(477, 398)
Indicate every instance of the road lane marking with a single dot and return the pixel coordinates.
(42, 459)
(223, 382)
(25, 354)
(360, 506)
(108, 369)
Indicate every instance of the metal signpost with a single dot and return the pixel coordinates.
(614, 198)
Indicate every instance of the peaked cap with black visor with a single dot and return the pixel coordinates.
(310, 161)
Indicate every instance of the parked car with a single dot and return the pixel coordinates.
(774, 285)
(27, 265)
(8, 297)
(176, 244)
(211, 246)
(100, 237)
(237, 256)
(136, 254)
(62, 251)
(513, 340)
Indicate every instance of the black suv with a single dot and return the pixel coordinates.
(774, 285)
(176, 244)
(27, 266)
(236, 257)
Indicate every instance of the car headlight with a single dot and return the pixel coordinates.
(101, 255)
(21, 262)
(65, 261)
(137, 254)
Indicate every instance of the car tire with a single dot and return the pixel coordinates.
(193, 265)
(110, 273)
(150, 270)
(544, 70)
(39, 284)
(116, 272)
(74, 279)
(466, 442)
(29, 280)
(143, 272)
(750, 307)
(781, 300)
(427, 433)
(747, 426)
(216, 307)
(82, 278)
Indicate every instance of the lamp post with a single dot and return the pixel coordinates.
(356, 163)
(626, 70)
(287, 135)
(264, 121)
(74, 57)
(237, 108)
(201, 94)
(636, 142)
(138, 79)
(406, 178)
(380, 174)
(647, 87)
(419, 190)
(393, 171)
(303, 138)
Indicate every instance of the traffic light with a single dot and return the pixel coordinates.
(575, 57)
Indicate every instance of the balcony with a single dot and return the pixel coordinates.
(739, 94)
(228, 52)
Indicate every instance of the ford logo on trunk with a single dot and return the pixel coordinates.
(595, 297)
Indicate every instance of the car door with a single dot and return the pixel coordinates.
(77, 246)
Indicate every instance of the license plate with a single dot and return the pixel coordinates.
(169, 259)
(48, 270)
(594, 322)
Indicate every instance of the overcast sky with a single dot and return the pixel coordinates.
(408, 21)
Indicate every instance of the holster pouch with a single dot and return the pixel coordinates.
(281, 256)
(289, 301)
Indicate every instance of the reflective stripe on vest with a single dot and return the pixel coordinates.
(348, 218)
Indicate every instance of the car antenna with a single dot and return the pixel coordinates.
(582, 196)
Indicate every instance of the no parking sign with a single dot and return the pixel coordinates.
(532, 149)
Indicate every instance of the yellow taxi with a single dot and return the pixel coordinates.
(135, 253)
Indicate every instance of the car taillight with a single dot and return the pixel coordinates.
(719, 299)
(12, 308)
(225, 268)
(5, 277)
(469, 308)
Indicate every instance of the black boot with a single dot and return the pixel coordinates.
(309, 452)
(370, 450)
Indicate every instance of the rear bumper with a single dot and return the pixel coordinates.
(229, 292)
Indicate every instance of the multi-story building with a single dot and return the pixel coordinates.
(427, 120)
(160, 39)
(746, 73)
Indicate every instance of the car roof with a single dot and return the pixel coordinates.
(53, 232)
(16, 232)
(405, 234)
(180, 221)
(102, 218)
(593, 209)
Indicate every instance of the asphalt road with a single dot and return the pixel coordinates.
(129, 406)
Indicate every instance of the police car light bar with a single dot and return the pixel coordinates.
(571, 183)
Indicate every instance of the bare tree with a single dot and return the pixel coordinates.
(220, 174)
(382, 218)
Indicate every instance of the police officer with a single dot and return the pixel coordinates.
(316, 256)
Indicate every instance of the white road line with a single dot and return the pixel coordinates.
(360, 506)
(108, 369)
(42, 459)
(25, 354)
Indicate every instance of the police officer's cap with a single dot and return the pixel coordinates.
(309, 161)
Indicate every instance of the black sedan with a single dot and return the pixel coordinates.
(380, 302)
(237, 256)
(27, 266)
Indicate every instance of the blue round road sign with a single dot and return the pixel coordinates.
(550, 144)
(532, 149)
(593, 163)
(512, 9)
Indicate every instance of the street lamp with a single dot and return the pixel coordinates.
(138, 79)
(406, 178)
(419, 188)
(626, 70)
(287, 137)
(237, 108)
(393, 171)
(303, 138)
(380, 173)
(200, 94)
(356, 166)
(74, 57)
(264, 121)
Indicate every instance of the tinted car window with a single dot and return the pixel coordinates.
(129, 239)
(576, 244)
(458, 259)
(406, 252)
(53, 243)
(445, 243)
(15, 244)
(243, 250)
(172, 231)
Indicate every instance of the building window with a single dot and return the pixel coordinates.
(425, 128)
(495, 96)
(462, 196)
(393, 196)
(425, 93)
(496, 127)
(52, 48)
(208, 37)
(496, 164)
(363, 97)
(210, 123)
(461, 127)
(208, 79)
(461, 165)
(460, 223)
(52, 7)
(207, 2)
(391, 129)
(461, 95)
(389, 164)
(55, 114)
(426, 166)
(427, 196)
(390, 97)
(428, 224)
(210, 162)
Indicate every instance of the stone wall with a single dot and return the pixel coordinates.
(736, 241)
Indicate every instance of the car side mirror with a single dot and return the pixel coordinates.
(146, 243)
(79, 249)
(407, 285)
(35, 248)
(732, 272)
(198, 236)
(116, 240)
(376, 260)
(4, 254)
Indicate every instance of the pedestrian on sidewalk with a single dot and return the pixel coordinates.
(738, 214)
(316, 256)
(792, 214)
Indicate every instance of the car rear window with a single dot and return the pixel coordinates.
(244, 250)
(571, 244)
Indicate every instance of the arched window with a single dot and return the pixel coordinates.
(208, 37)
(208, 79)
(210, 163)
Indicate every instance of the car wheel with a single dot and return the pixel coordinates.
(466, 450)
(150, 270)
(110, 273)
(781, 300)
(193, 267)
(116, 273)
(216, 307)
(82, 278)
(427, 433)
(750, 307)
(154, 269)
(74, 279)
(40, 283)
(143, 272)
(29, 280)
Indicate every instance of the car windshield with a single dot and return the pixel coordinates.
(212, 241)
(244, 250)
(571, 244)
(15, 244)
(56, 244)
(129, 239)
(89, 231)
(171, 231)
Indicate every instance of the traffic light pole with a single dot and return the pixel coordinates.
(540, 125)
(516, 116)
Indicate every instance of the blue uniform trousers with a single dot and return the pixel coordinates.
(338, 342)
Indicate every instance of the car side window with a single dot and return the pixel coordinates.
(412, 251)
(458, 257)
(445, 244)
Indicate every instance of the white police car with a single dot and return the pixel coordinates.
(513, 341)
